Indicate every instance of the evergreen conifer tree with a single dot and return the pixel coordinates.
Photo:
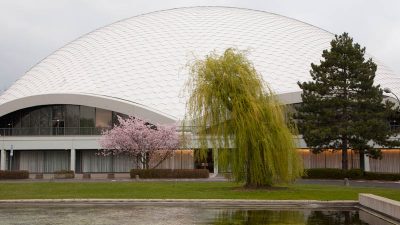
(342, 108)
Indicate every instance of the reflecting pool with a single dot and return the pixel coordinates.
(128, 214)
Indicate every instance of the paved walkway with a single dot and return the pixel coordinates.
(353, 183)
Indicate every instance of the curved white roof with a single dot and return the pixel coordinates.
(139, 65)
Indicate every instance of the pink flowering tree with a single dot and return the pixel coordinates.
(146, 143)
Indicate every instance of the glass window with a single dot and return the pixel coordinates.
(87, 116)
(103, 118)
(45, 120)
(34, 121)
(6, 125)
(25, 118)
(115, 117)
(58, 120)
(87, 121)
(58, 112)
(17, 119)
(72, 120)
(35, 117)
(58, 127)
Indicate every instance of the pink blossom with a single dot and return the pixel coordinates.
(147, 143)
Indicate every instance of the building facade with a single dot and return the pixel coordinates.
(52, 117)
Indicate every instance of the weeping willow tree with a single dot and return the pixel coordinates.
(232, 109)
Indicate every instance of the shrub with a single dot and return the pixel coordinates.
(86, 176)
(20, 174)
(64, 174)
(331, 173)
(169, 173)
(354, 174)
(381, 176)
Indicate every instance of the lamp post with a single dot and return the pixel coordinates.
(11, 156)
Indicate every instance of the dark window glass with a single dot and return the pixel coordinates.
(58, 112)
(17, 123)
(45, 120)
(72, 120)
(35, 117)
(34, 121)
(6, 121)
(58, 120)
(25, 122)
(16, 118)
(87, 121)
(58, 116)
(6, 125)
(115, 116)
(25, 118)
(58, 127)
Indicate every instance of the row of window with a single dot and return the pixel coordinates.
(58, 120)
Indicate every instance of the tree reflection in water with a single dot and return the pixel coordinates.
(334, 217)
(270, 217)
(259, 217)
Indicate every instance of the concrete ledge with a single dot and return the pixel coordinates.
(237, 203)
(379, 204)
(373, 217)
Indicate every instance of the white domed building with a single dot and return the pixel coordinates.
(52, 115)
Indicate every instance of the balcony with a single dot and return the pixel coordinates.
(52, 131)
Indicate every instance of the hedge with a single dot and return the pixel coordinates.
(381, 176)
(20, 174)
(169, 173)
(330, 173)
(354, 174)
(64, 174)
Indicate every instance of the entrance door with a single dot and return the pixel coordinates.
(207, 163)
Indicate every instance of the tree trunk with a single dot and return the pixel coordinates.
(248, 171)
(147, 160)
(137, 162)
(344, 154)
(168, 154)
(362, 160)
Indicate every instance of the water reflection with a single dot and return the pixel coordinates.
(304, 217)
(259, 217)
(172, 214)
(334, 217)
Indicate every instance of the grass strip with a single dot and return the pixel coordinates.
(183, 190)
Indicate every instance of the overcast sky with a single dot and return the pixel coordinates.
(32, 29)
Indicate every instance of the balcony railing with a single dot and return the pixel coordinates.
(63, 131)
(51, 131)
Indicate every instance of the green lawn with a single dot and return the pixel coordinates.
(181, 190)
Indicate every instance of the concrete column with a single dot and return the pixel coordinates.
(73, 159)
(215, 156)
(3, 160)
(366, 163)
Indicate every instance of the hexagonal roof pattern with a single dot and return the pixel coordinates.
(143, 59)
